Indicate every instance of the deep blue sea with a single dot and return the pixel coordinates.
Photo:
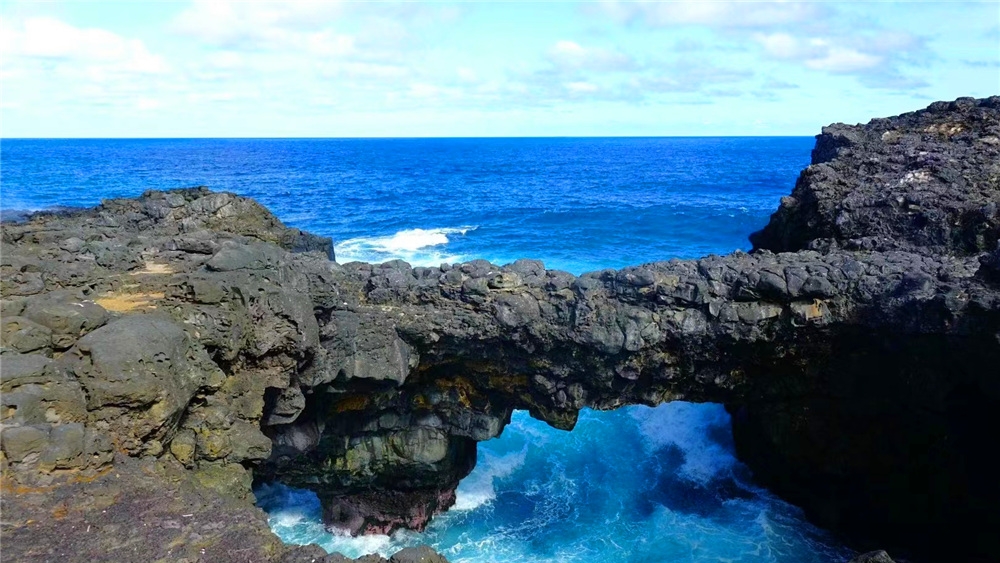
(634, 485)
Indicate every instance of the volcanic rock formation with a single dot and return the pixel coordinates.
(189, 334)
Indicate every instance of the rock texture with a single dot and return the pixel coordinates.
(857, 348)
(140, 342)
(922, 182)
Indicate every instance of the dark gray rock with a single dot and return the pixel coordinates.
(872, 557)
(67, 316)
(855, 348)
(421, 554)
(25, 336)
(19, 369)
(139, 376)
(922, 180)
(19, 442)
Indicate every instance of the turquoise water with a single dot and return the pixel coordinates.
(635, 485)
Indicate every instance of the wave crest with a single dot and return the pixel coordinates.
(419, 247)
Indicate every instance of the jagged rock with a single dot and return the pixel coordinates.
(421, 554)
(35, 391)
(872, 557)
(19, 442)
(384, 512)
(855, 348)
(989, 268)
(922, 180)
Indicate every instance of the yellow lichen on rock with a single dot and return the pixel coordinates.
(351, 403)
(129, 302)
(945, 129)
(464, 390)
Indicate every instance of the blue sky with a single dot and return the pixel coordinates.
(346, 69)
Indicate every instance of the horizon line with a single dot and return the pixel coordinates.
(375, 138)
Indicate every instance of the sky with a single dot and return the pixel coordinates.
(426, 69)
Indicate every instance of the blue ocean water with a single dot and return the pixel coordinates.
(577, 204)
(635, 485)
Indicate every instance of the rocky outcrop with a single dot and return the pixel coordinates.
(923, 182)
(138, 346)
(856, 346)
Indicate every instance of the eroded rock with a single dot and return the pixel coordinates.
(861, 335)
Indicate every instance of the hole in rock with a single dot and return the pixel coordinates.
(634, 484)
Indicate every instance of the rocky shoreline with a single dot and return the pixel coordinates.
(161, 353)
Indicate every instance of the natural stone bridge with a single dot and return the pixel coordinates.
(857, 347)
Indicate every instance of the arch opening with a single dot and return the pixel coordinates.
(629, 484)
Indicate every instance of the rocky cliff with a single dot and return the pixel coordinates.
(190, 336)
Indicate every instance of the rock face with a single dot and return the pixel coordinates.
(857, 347)
(922, 182)
(140, 342)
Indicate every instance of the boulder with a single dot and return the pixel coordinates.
(139, 373)
(67, 316)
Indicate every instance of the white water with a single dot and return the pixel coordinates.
(419, 247)
(698, 430)
(635, 485)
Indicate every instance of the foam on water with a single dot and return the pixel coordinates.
(700, 431)
(419, 247)
(477, 489)
(635, 485)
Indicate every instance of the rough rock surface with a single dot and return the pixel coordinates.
(138, 340)
(923, 181)
(873, 557)
(191, 332)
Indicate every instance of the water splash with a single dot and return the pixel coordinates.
(699, 431)
(419, 247)
(634, 485)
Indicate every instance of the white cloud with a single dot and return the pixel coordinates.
(251, 25)
(819, 36)
(377, 72)
(265, 26)
(51, 39)
(774, 84)
(225, 60)
(844, 60)
(714, 14)
(314, 45)
(570, 55)
(48, 63)
(433, 92)
(148, 103)
(314, 27)
(780, 45)
(691, 76)
(862, 54)
(466, 74)
(581, 87)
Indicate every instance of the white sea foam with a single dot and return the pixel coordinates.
(689, 427)
(477, 489)
(528, 501)
(338, 542)
(420, 247)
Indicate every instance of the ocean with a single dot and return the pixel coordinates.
(634, 485)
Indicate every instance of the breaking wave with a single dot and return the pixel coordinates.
(634, 485)
(419, 247)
